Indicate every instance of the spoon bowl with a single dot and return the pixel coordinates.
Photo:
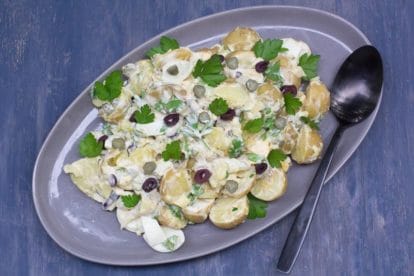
(354, 95)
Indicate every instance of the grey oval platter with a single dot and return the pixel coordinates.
(81, 227)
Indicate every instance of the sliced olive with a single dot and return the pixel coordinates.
(251, 85)
(173, 70)
(199, 91)
(118, 143)
(232, 63)
(149, 167)
(231, 186)
(204, 117)
(149, 184)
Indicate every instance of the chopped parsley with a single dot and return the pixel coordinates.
(144, 115)
(234, 209)
(257, 207)
(254, 157)
(176, 211)
(254, 126)
(166, 44)
(275, 157)
(309, 64)
(236, 148)
(292, 104)
(89, 146)
(110, 88)
(273, 73)
(130, 201)
(312, 124)
(170, 242)
(268, 49)
(170, 106)
(218, 107)
(210, 71)
(172, 151)
(197, 190)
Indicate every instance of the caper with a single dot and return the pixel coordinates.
(118, 143)
(232, 63)
(149, 167)
(173, 70)
(204, 117)
(231, 186)
(280, 123)
(251, 85)
(199, 91)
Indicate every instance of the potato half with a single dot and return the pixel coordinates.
(175, 187)
(308, 146)
(229, 212)
(198, 211)
(167, 218)
(317, 99)
(245, 180)
(241, 39)
(271, 186)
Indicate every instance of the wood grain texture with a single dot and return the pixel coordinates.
(50, 50)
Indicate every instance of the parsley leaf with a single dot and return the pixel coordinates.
(144, 115)
(219, 106)
(172, 151)
(292, 104)
(254, 126)
(89, 146)
(309, 122)
(275, 157)
(234, 209)
(254, 157)
(169, 106)
(257, 207)
(210, 71)
(130, 201)
(166, 44)
(176, 211)
(170, 242)
(273, 73)
(309, 64)
(110, 88)
(197, 190)
(268, 49)
(236, 148)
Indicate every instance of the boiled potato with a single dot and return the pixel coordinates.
(290, 136)
(270, 186)
(140, 156)
(229, 212)
(267, 92)
(290, 71)
(317, 99)
(246, 59)
(85, 174)
(180, 54)
(308, 147)
(115, 111)
(218, 140)
(197, 212)
(139, 74)
(234, 93)
(206, 53)
(241, 39)
(255, 144)
(245, 180)
(167, 218)
(175, 187)
(209, 192)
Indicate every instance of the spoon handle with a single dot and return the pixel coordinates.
(304, 216)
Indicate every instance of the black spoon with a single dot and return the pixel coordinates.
(354, 95)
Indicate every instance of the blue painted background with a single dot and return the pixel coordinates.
(50, 51)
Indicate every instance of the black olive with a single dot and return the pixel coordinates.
(150, 184)
(261, 66)
(289, 89)
(229, 115)
(201, 176)
(171, 119)
(260, 168)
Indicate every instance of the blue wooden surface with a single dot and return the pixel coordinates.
(49, 51)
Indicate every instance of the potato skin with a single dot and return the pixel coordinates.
(241, 39)
(317, 99)
(167, 218)
(308, 146)
(222, 216)
(271, 186)
(200, 213)
(290, 134)
(175, 187)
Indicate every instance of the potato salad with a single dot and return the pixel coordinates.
(207, 134)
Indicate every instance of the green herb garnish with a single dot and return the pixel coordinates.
(234, 209)
(257, 207)
(292, 104)
(268, 49)
(275, 157)
(312, 124)
(110, 88)
(254, 126)
(210, 71)
(176, 211)
(170, 242)
(236, 148)
(144, 115)
(89, 146)
(166, 44)
(197, 190)
(130, 201)
(254, 157)
(309, 64)
(273, 73)
(218, 107)
(172, 151)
